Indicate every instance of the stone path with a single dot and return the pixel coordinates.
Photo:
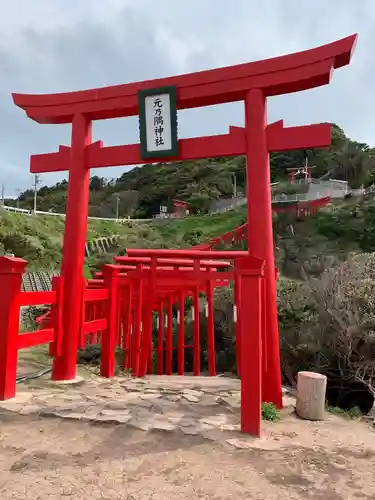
(207, 406)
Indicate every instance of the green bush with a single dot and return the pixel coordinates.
(269, 412)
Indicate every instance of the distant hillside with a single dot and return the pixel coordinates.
(315, 241)
(141, 191)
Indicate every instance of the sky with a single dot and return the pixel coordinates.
(49, 46)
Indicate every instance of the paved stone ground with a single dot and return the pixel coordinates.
(177, 438)
(193, 405)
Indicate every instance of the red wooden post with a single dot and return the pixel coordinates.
(211, 330)
(137, 331)
(181, 335)
(107, 360)
(237, 294)
(161, 338)
(11, 270)
(260, 236)
(149, 341)
(196, 334)
(250, 275)
(56, 316)
(64, 366)
(169, 338)
(128, 321)
(81, 335)
(146, 350)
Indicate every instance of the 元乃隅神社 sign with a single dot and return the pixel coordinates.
(158, 122)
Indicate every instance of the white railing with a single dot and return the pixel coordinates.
(41, 212)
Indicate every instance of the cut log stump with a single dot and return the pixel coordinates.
(311, 395)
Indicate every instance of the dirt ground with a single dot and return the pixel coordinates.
(44, 459)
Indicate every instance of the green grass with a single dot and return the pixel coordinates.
(205, 226)
(334, 230)
(353, 413)
(270, 412)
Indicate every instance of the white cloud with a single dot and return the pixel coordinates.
(62, 45)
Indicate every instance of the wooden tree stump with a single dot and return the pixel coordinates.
(311, 395)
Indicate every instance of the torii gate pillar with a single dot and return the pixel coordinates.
(260, 235)
(64, 366)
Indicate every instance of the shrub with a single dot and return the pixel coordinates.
(329, 322)
(269, 412)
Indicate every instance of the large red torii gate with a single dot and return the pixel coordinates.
(253, 83)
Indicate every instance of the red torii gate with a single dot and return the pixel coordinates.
(253, 83)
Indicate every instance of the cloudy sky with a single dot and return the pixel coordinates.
(51, 46)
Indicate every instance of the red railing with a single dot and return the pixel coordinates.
(11, 339)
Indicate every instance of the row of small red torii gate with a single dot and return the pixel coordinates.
(254, 271)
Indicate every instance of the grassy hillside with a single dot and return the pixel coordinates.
(39, 239)
(316, 241)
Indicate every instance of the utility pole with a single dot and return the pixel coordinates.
(2, 194)
(234, 186)
(36, 182)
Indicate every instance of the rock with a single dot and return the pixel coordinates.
(150, 396)
(114, 413)
(191, 430)
(239, 443)
(191, 398)
(230, 401)
(163, 425)
(30, 409)
(173, 397)
(215, 420)
(123, 418)
(230, 427)
(187, 422)
(212, 434)
(143, 425)
(141, 403)
(192, 392)
(73, 416)
(208, 400)
(18, 402)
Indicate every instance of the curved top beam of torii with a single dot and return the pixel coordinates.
(278, 75)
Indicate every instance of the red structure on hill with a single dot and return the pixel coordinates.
(251, 83)
(180, 208)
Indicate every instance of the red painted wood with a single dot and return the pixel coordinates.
(35, 338)
(260, 223)
(181, 336)
(250, 311)
(107, 359)
(36, 298)
(11, 269)
(211, 330)
(64, 366)
(278, 75)
(96, 325)
(196, 334)
(96, 294)
(168, 339)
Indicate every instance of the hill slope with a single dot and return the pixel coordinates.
(315, 241)
(141, 191)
